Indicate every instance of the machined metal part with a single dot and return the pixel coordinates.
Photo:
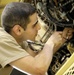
(56, 14)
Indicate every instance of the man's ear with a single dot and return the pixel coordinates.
(17, 30)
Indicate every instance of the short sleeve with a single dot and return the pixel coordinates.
(10, 51)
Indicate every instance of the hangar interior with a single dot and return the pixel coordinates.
(54, 15)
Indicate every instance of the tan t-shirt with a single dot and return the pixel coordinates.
(10, 50)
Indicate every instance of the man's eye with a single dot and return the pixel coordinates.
(35, 24)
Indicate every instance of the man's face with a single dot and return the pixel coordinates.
(32, 28)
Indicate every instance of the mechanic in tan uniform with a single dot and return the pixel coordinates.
(20, 23)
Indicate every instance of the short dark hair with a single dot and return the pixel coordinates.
(16, 13)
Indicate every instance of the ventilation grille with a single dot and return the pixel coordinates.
(70, 70)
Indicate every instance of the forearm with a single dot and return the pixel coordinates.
(45, 56)
(31, 52)
(56, 48)
(37, 65)
(58, 45)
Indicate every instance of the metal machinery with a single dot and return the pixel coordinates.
(57, 14)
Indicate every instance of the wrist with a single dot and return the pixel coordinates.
(49, 48)
(50, 43)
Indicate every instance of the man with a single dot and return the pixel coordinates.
(20, 23)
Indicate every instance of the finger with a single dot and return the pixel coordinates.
(69, 37)
(60, 32)
(67, 32)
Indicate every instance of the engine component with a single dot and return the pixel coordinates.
(59, 12)
(56, 14)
